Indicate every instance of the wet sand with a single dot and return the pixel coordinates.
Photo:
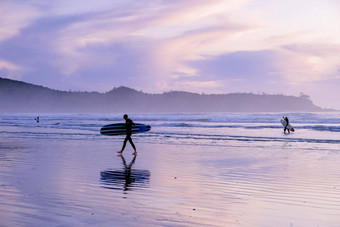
(84, 183)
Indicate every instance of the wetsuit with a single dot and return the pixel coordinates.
(128, 125)
(286, 119)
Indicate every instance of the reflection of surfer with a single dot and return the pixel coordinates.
(128, 125)
(37, 119)
(127, 172)
(125, 178)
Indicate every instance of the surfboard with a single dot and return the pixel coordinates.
(119, 129)
(284, 123)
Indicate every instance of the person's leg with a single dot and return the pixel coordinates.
(125, 140)
(133, 146)
(124, 144)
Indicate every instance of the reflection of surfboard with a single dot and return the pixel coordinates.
(126, 179)
(284, 123)
(119, 129)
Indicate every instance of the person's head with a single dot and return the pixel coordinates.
(126, 116)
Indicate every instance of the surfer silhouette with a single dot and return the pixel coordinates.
(286, 127)
(128, 125)
(37, 119)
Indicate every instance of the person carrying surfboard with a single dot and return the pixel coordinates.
(286, 127)
(128, 125)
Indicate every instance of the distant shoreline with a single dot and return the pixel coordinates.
(21, 97)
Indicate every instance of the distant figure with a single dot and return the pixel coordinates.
(286, 127)
(37, 119)
(128, 125)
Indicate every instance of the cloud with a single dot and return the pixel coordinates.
(318, 61)
(290, 69)
(34, 48)
(15, 16)
(242, 71)
(244, 64)
(120, 44)
(209, 46)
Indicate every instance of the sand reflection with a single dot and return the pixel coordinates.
(125, 179)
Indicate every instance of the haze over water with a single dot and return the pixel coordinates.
(191, 169)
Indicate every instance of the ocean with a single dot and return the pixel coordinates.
(312, 130)
(222, 169)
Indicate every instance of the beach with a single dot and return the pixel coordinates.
(201, 172)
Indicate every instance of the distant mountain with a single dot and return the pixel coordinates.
(19, 97)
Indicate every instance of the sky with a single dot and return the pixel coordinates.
(204, 46)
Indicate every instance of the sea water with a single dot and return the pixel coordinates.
(230, 169)
(312, 130)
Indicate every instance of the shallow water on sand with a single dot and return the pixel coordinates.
(49, 182)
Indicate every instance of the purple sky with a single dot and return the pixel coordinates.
(211, 46)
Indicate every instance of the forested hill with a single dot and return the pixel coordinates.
(20, 97)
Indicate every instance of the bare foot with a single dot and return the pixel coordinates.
(120, 152)
(134, 153)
